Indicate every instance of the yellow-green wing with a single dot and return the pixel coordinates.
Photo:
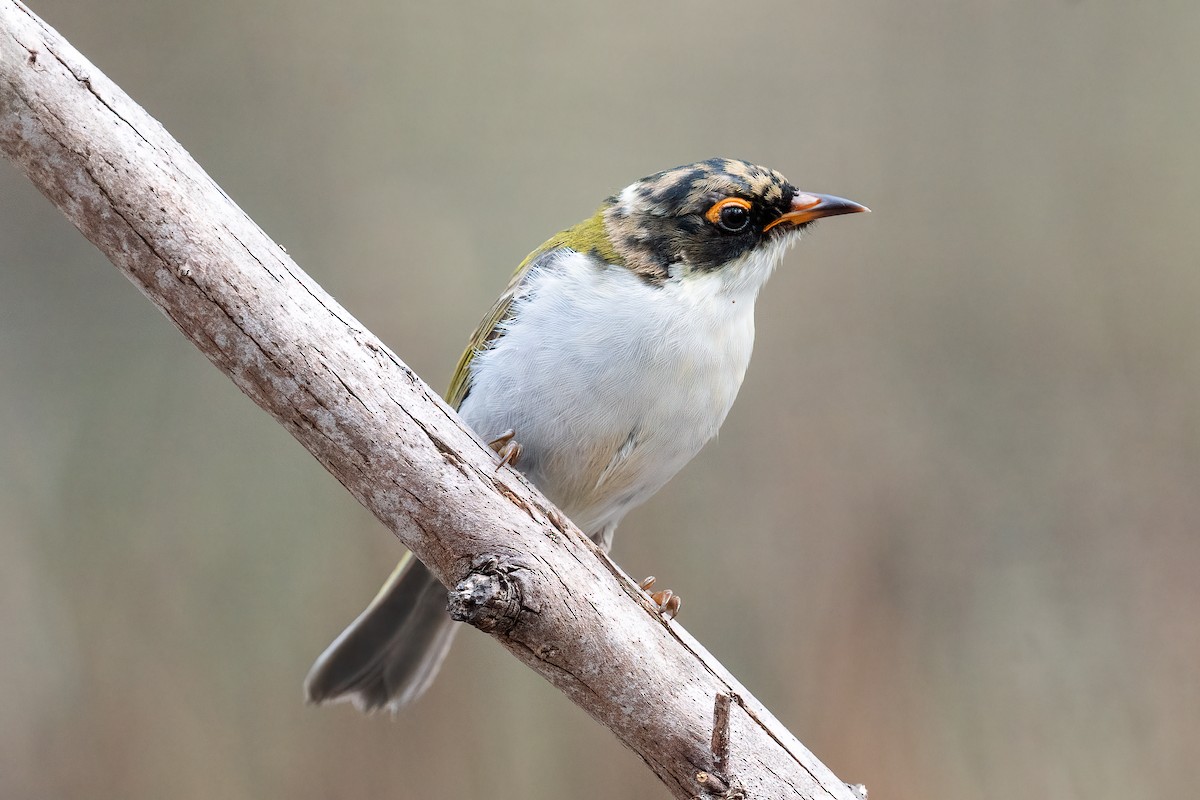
(587, 236)
(487, 332)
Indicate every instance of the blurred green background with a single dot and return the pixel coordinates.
(950, 533)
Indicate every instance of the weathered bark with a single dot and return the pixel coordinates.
(524, 574)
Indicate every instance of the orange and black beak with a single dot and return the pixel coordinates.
(807, 207)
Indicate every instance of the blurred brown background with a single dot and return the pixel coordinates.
(950, 533)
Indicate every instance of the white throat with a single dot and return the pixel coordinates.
(743, 278)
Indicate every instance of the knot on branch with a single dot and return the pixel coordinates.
(489, 597)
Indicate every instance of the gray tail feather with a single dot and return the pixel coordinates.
(391, 653)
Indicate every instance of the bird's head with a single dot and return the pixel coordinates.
(715, 215)
(721, 217)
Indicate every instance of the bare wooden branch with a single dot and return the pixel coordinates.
(522, 572)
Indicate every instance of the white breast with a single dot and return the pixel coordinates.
(612, 384)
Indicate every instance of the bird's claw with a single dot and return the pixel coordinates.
(507, 447)
(665, 600)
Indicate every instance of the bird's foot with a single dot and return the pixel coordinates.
(665, 600)
(507, 447)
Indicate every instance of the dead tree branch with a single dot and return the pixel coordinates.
(524, 574)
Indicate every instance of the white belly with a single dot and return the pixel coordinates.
(610, 384)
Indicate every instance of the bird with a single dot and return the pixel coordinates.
(612, 356)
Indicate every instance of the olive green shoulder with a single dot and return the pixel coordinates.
(587, 236)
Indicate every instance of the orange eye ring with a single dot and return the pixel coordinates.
(713, 214)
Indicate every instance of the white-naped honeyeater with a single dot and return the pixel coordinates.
(612, 356)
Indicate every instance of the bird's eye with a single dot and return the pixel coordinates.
(731, 215)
